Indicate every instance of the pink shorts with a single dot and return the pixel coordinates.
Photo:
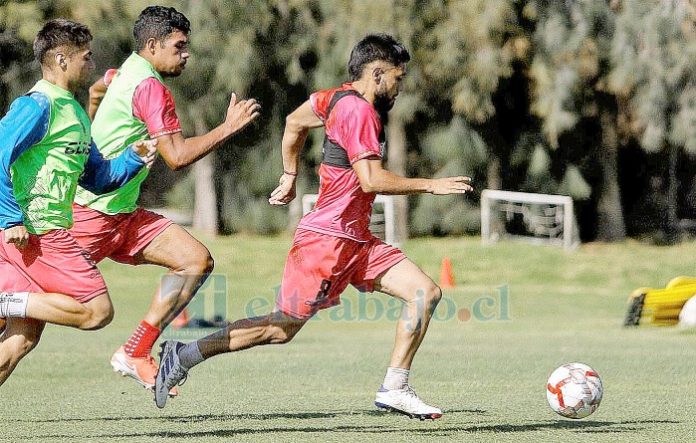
(319, 267)
(52, 262)
(120, 237)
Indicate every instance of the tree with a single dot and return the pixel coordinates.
(571, 94)
(654, 70)
(473, 85)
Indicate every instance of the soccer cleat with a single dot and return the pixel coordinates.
(141, 369)
(406, 402)
(170, 373)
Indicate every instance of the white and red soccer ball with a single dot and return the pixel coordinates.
(574, 390)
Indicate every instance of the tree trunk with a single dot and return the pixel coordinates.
(490, 131)
(493, 174)
(205, 208)
(671, 218)
(396, 134)
(610, 220)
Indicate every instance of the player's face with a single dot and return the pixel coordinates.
(173, 54)
(389, 86)
(79, 66)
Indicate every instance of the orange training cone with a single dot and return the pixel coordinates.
(446, 274)
(182, 320)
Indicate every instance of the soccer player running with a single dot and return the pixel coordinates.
(45, 150)
(333, 246)
(138, 106)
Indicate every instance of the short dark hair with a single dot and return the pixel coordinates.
(158, 22)
(60, 32)
(376, 47)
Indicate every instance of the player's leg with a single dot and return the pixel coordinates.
(177, 358)
(19, 338)
(309, 284)
(59, 309)
(189, 263)
(420, 296)
(155, 240)
(55, 281)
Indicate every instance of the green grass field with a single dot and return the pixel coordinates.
(488, 374)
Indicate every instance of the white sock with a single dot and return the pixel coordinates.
(190, 355)
(14, 304)
(396, 378)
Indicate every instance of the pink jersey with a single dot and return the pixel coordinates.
(353, 133)
(153, 104)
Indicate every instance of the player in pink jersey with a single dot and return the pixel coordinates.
(333, 246)
(138, 105)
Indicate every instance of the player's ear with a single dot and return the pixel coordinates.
(151, 45)
(60, 59)
(377, 74)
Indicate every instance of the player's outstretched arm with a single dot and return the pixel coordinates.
(297, 126)
(179, 152)
(102, 176)
(374, 178)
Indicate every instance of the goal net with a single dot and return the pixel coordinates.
(534, 218)
(382, 219)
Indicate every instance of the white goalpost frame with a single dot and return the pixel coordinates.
(489, 195)
(387, 201)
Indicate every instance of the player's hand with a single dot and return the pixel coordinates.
(146, 150)
(17, 235)
(241, 113)
(285, 192)
(451, 185)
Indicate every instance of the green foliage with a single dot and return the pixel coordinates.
(654, 65)
(462, 53)
(527, 95)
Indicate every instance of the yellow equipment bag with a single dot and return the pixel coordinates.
(660, 307)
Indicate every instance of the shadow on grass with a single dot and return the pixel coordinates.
(438, 429)
(230, 417)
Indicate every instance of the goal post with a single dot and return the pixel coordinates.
(382, 222)
(534, 218)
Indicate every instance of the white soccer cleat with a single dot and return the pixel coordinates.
(406, 402)
(170, 373)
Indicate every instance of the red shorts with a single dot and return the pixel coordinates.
(52, 262)
(319, 267)
(120, 237)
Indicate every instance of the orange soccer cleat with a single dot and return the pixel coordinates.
(141, 369)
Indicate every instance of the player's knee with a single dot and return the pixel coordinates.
(433, 295)
(200, 262)
(209, 263)
(97, 319)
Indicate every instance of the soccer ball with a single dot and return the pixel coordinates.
(574, 390)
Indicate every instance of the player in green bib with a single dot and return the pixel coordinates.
(46, 149)
(137, 106)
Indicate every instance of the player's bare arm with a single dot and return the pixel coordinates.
(96, 95)
(297, 127)
(374, 178)
(179, 152)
